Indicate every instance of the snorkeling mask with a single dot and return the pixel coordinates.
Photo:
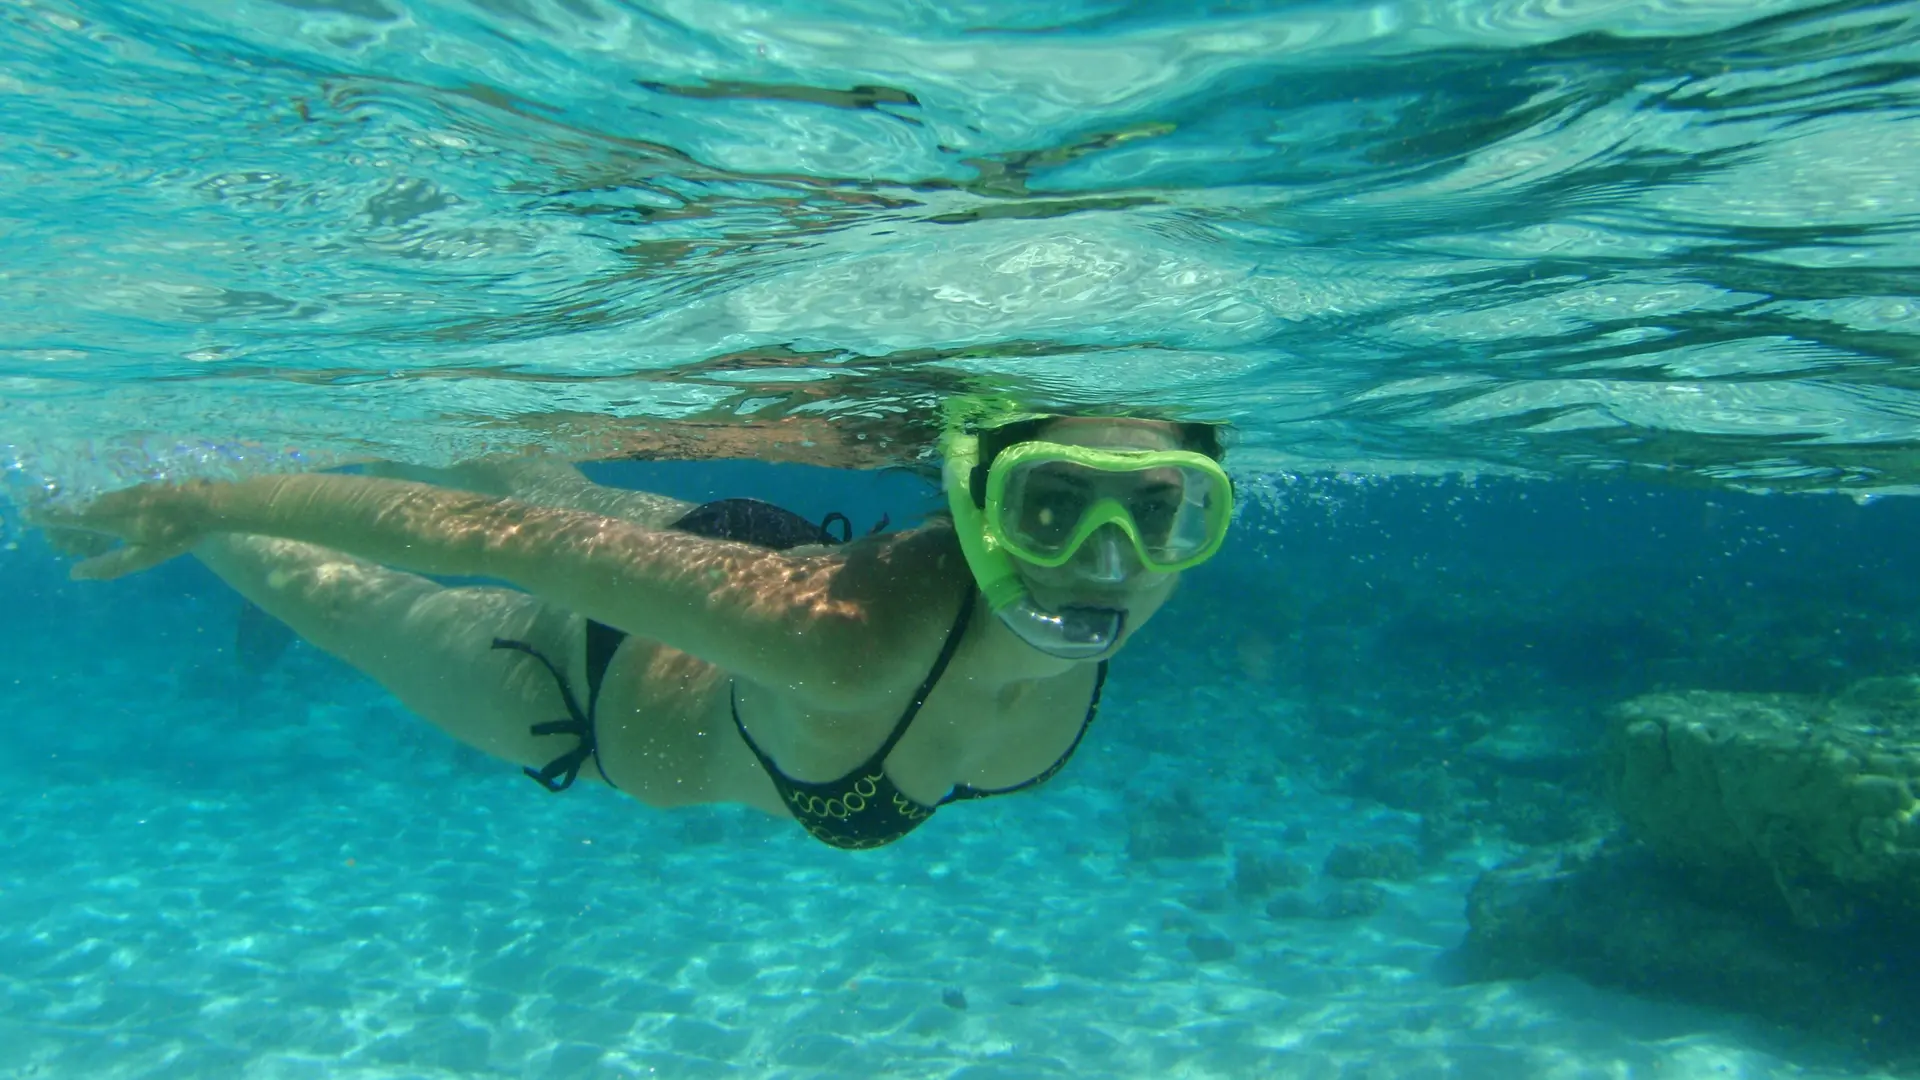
(1043, 501)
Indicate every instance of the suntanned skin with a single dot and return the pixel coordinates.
(824, 646)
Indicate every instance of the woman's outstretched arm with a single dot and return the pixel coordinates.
(544, 481)
(813, 625)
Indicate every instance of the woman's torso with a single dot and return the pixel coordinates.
(666, 731)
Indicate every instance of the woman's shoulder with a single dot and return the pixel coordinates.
(911, 565)
(880, 606)
(907, 585)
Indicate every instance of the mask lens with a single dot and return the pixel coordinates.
(1170, 507)
(1155, 507)
(1045, 503)
(1175, 515)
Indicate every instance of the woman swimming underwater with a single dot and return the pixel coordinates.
(730, 652)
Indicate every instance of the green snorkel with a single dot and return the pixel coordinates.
(992, 567)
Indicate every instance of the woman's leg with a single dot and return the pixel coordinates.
(430, 645)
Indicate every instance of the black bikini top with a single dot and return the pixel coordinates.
(863, 809)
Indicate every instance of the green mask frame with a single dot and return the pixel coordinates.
(990, 554)
(1210, 518)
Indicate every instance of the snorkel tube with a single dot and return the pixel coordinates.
(1072, 633)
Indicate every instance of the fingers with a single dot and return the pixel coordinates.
(50, 519)
(136, 514)
(103, 567)
(146, 517)
(122, 561)
(76, 542)
(97, 516)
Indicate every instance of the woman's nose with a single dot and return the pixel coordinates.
(1107, 557)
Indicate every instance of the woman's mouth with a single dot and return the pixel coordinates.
(1070, 632)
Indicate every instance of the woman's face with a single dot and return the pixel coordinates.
(1106, 572)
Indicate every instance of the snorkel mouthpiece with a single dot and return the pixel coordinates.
(1072, 633)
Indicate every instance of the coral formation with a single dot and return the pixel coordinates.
(1391, 861)
(1815, 797)
(1770, 864)
(1172, 827)
(1259, 874)
(1616, 916)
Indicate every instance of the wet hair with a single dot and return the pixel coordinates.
(1199, 438)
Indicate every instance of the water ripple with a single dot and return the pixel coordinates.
(1547, 236)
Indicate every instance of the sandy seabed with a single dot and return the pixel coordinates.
(251, 885)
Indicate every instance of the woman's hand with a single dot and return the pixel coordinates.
(155, 522)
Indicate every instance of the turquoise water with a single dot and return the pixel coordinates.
(1646, 237)
(1570, 348)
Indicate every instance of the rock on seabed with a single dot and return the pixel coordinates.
(1815, 795)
